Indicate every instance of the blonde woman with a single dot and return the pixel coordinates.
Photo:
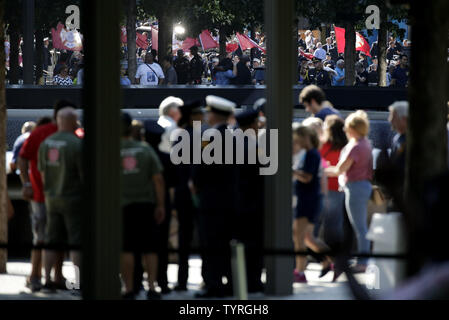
(355, 167)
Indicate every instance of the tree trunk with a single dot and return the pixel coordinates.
(39, 54)
(350, 54)
(165, 36)
(222, 43)
(382, 47)
(131, 16)
(3, 189)
(14, 54)
(427, 132)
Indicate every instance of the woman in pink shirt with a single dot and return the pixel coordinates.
(355, 168)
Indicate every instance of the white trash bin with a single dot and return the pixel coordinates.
(388, 236)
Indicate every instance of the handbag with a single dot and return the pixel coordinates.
(377, 196)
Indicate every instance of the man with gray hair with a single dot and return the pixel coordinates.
(398, 118)
(169, 116)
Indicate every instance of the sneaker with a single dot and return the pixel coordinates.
(153, 295)
(34, 284)
(299, 277)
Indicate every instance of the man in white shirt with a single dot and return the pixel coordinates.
(149, 73)
(320, 53)
(169, 116)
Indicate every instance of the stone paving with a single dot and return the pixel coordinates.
(12, 285)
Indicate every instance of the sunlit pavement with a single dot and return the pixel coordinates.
(12, 285)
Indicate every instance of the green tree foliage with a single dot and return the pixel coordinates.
(224, 16)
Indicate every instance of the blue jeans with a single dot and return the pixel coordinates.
(332, 218)
(357, 194)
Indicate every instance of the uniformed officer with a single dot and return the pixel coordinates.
(250, 202)
(215, 186)
(60, 165)
(318, 75)
(185, 207)
(143, 207)
(168, 116)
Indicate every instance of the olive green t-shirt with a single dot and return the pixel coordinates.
(139, 164)
(60, 161)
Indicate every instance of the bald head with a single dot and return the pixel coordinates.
(67, 120)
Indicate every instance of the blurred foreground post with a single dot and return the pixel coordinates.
(101, 102)
(281, 31)
(3, 188)
(427, 132)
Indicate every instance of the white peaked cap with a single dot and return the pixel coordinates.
(220, 104)
(259, 103)
(168, 103)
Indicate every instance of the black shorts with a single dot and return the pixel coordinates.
(140, 228)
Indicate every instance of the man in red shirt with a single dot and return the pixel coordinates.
(33, 191)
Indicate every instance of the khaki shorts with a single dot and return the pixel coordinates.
(38, 222)
(63, 222)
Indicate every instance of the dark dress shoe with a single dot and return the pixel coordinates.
(129, 296)
(325, 271)
(337, 274)
(181, 288)
(153, 295)
(210, 293)
(165, 290)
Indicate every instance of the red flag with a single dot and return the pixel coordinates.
(64, 39)
(247, 43)
(305, 55)
(207, 41)
(360, 44)
(141, 41)
(188, 43)
(231, 47)
(340, 37)
(154, 38)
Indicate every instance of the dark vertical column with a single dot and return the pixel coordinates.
(102, 101)
(427, 131)
(28, 41)
(278, 207)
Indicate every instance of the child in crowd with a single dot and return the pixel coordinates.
(308, 192)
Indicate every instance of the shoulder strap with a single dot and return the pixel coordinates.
(152, 70)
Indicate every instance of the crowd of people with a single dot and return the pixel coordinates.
(322, 65)
(319, 63)
(153, 191)
(332, 182)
